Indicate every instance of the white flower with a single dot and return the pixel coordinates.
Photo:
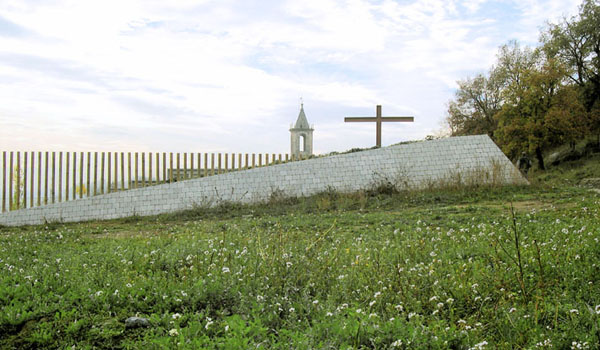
(292, 309)
(225, 269)
(512, 309)
(372, 303)
(99, 293)
(315, 302)
(288, 264)
(329, 314)
(176, 316)
(208, 323)
(376, 294)
(440, 305)
(479, 346)
(173, 332)
(597, 309)
(574, 311)
(260, 298)
(397, 343)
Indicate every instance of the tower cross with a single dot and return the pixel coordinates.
(378, 119)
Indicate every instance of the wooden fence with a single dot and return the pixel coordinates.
(37, 178)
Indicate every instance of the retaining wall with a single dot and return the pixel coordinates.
(414, 165)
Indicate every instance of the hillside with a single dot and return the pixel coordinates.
(515, 267)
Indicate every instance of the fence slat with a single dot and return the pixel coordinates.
(143, 169)
(102, 173)
(171, 167)
(60, 177)
(31, 203)
(116, 171)
(18, 189)
(88, 166)
(3, 181)
(205, 164)
(53, 178)
(157, 168)
(135, 164)
(10, 181)
(109, 171)
(150, 168)
(67, 163)
(75, 176)
(164, 167)
(178, 168)
(122, 170)
(46, 179)
(39, 181)
(191, 165)
(129, 170)
(24, 179)
(199, 156)
(226, 166)
(95, 173)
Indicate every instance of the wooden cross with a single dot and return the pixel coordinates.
(378, 120)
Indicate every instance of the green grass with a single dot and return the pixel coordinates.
(428, 269)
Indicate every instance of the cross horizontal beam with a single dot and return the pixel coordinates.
(372, 119)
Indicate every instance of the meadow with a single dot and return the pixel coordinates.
(456, 268)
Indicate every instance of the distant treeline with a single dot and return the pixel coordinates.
(533, 99)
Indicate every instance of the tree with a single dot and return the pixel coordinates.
(576, 42)
(541, 111)
(476, 102)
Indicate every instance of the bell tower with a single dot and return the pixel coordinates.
(301, 136)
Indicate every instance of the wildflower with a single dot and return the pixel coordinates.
(372, 303)
(292, 309)
(376, 294)
(208, 323)
(315, 302)
(173, 332)
(329, 314)
(597, 309)
(433, 298)
(449, 300)
(479, 346)
(440, 305)
(225, 269)
(397, 343)
(512, 309)
(399, 307)
(371, 315)
(128, 285)
(574, 311)
(176, 316)
(260, 298)
(99, 293)
(288, 264)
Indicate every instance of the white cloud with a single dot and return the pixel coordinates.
(214, 75)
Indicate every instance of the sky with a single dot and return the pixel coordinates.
(228, 75)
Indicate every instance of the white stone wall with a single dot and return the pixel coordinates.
(420, 164)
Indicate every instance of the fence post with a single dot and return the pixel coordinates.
(212, 163)
(18, 189)
(205, 164)
(46, 180)
(226, 165)
(164, 167)
(95, 172)
(74, 175)
(178, 168)
(191, 165)
(39, 181)
(129, 182)
(219, 170)
(53, 178)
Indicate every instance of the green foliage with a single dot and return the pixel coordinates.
(450, 268)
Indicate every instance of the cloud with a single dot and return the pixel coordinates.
(11, 29)
(225, 75)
